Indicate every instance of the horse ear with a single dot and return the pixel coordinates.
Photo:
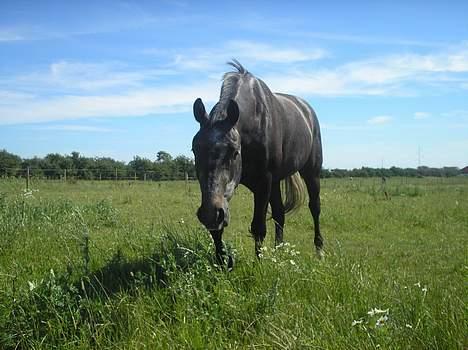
(232, 113)
(199, 112)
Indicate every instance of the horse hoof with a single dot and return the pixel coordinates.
(320, 254)
(230, 263)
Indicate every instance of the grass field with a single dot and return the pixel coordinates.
(126, 265)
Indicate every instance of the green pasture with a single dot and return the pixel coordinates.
(126, 265)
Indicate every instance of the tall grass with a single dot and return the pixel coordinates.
(126, 265)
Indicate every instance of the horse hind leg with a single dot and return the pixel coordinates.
(312, 179)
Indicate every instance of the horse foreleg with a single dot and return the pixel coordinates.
(261, 197)
(220, 251)
(277, 212)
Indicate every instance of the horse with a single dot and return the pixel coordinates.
(257, 138)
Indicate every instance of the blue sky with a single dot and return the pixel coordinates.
(388, 79)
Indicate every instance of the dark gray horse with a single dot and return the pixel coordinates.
(257, 138)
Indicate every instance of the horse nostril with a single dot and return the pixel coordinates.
(220, 216)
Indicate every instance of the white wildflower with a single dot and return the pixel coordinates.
(424, 290)
(418, 284)
(27, 194)
(294, 252)
(356, 322)
(376, 311)
(381, 321)
(408, 326)
(292, 262)
(32, 285)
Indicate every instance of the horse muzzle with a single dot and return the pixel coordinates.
(214, 218)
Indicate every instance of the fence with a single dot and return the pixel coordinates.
(90, 174)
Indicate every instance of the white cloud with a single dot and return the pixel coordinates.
(170, 99)
(406, 67)
(367, 39)
(73, 90)
(267, 53)
(387, 75)
(243, 50)
(380, 120)
(77, 128)
(421, 115)
(73, 77)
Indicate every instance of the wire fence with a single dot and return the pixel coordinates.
(92, 174)
(379, 187)
(116, 174)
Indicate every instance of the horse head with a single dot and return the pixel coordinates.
(218, 162)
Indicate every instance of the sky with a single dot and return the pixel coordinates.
(387, 79)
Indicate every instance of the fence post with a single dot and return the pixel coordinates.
(100, 177)
(115, 174)
(144, 176)
(134, 175)
(65, 175)
(27, 179)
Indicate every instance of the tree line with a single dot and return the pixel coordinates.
(77, 166)
(420, 171)
(163, 167)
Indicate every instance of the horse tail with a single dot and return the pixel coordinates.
(294, 192)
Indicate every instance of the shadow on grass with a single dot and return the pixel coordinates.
(59, 300)
(173, 254)
(123, 275)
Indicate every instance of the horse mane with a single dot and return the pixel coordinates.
(236, 64)
(229, 87)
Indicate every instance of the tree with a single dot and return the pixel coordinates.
(163, 157)
(184, 165)
(140, 165)
(9, 163)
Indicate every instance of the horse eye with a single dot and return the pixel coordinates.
(235, 154)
